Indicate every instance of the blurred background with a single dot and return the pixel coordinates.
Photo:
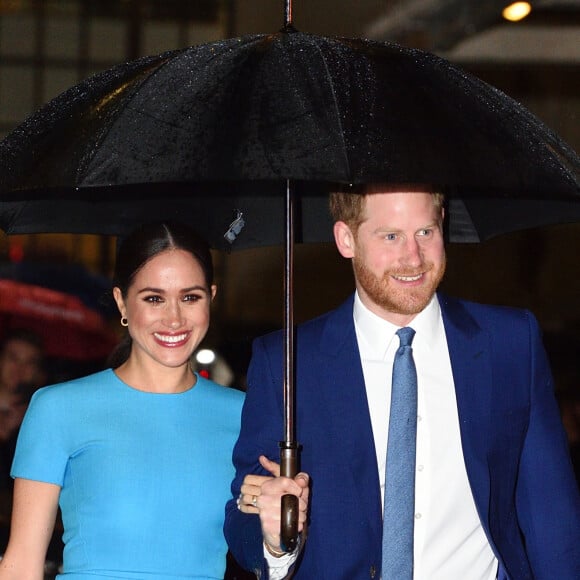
(47, 46)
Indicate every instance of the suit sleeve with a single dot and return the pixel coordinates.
(261, 430)
(547, 497)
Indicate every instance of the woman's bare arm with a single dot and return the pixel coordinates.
(34, 511)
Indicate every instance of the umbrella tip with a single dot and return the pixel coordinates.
(287, 17)
(288, 26)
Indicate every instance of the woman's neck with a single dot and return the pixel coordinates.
(155, 378)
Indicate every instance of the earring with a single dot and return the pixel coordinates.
(124, 321)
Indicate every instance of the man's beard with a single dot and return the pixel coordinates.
(393, 298)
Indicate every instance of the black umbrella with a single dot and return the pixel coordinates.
(263, 109)
(241, 135)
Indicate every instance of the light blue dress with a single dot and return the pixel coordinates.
(144, 476)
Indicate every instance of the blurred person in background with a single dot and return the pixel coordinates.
(21, 373)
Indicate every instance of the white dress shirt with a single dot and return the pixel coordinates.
(450, 543)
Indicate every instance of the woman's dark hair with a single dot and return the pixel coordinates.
(142, 245)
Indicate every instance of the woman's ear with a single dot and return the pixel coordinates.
(118, 296)
(344, 239)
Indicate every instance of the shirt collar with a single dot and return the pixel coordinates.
(376, 333)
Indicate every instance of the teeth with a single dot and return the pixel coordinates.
(170, 339)
(408, 278)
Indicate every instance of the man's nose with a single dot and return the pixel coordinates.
(412, 252)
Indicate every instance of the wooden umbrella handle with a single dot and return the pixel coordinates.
(289, 521)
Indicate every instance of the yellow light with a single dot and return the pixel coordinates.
(516, 11)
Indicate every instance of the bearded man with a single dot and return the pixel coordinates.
(492, 490)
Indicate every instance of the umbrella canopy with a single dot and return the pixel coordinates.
(218, 128)
(69, 329)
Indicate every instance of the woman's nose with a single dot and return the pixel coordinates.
(174, 317)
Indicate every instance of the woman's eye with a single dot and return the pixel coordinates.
(153, 299)
(192, 297)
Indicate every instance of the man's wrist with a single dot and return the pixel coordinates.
(276, 552)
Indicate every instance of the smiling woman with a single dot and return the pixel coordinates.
(167, 313)
(128, 452)
(165, 303)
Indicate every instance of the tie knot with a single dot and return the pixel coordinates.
(406, 335)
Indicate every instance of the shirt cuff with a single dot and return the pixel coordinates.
(278, 568)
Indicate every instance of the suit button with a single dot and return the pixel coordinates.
(373, 571)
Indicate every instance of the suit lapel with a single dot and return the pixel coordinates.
(349, 416)
(469, 351)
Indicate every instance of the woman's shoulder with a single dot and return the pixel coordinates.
(81, 385)
(229, 395)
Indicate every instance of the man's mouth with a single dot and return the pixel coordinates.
(408, 278)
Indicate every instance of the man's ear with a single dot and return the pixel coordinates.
(344, 239)
(442, 220)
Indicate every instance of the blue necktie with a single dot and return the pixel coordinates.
(400, 470)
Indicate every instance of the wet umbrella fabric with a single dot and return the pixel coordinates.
(203, 132)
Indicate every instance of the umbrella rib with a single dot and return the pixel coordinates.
(335, 106)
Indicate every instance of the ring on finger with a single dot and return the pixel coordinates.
(255, 501)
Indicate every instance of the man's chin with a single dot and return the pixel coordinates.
(408, 305)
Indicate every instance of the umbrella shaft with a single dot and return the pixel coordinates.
(289, 434)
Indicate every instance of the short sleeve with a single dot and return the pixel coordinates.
(41, 453)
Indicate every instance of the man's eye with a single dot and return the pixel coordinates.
(425, 232)
(390, 237)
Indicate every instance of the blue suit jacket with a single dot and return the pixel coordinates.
(515, 447)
